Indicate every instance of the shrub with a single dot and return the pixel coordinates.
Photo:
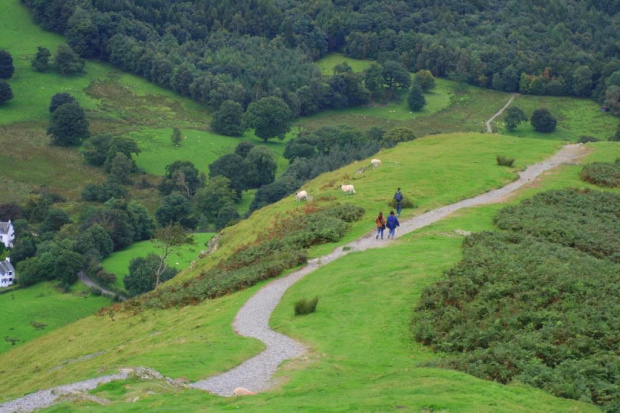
(95, 291)
(586, 139)
(602, 174)
(405, 203)
(543, 121)
(304, 306)
(502, 160)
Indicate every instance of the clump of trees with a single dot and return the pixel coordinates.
(513, 117)
(68, 124)
(6, 93)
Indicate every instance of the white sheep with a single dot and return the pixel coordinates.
(375, 163)
(301, 195)
(348, 189)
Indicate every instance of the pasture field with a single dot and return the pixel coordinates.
(436, 171)
(362, 356)
(327, 63)
(117, 263)
(28, 313)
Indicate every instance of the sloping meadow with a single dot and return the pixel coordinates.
(539, 303)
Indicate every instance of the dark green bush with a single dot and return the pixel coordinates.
(406, 203)
(502, 160)
(305, 306)
(586, 139)
(538, 304)
(602, 174)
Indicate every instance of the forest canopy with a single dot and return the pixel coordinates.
(220, 50)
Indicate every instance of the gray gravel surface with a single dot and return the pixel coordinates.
(253, 319)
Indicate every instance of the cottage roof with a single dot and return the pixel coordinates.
(4, 227)
(6, 267)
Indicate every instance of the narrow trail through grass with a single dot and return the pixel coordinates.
(488, 122)
(253, 318)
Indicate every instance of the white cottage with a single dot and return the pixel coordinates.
(7, 273)
(7, 234)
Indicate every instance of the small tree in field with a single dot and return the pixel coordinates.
(513, 117)
(543, 121)
(415, 98)
(227, 120)
(270, 117)
(166, 239)
(60, 99)
(41, 61)
(176, 136)
(67, 61)
(425, 79)
(6, 93)
(6, 65)
(68, 126)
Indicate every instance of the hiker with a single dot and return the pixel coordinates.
(392, 223)
(398, 197)
(380, 221)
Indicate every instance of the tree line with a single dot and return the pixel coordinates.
(221, 50)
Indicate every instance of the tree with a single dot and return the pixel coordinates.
(60, 99)
(260, 167)
(616, 137)
(415, 98)
(270, 117)
(10, 211)
(6, 65)
(582, 81)
(176, 137)
(425, 79)
(373, 79)
(215, 195)
(166, 239)
(226, 216)
(41, 61)
(96, 149)
(141, 221)
(232, 167)
(6, 93)
(54, 220)
(120, 170)
(174, 208)
(396, 135)
(228, 119)
(243, 149)
(95, 238)
(395, 75)
(67, 61)
(543, 121)
(514, 115)
(181, 176)
(68, 126)
(142, 275)
(612, 99)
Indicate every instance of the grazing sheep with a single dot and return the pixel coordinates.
(348, 189)
(375, 163)
(242, 391)
(301, 195)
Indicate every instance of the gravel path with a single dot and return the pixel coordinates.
(489, 128)
(253, 319)
(85, 279)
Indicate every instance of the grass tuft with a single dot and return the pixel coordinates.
(503, 160)
(305, 306)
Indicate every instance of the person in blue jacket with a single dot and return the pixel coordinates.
(392, 223)
(398, 197)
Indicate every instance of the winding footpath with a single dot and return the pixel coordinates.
(488, 122)
(252, 320)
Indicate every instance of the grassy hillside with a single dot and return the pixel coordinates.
(362, 356)
(117, 263)
(435, 170)
(33, 312)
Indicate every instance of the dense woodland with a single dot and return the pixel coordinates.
(218, 50)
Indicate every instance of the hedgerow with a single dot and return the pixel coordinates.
(280, 248)
(539, 304)
(602, 174)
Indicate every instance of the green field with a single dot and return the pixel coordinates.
(118, 262)
(362, 356)
(42, 304)
(327, 63)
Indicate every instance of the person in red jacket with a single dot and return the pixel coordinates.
(380, 221)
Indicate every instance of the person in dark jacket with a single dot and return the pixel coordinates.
(392, 223)
(398, 197)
